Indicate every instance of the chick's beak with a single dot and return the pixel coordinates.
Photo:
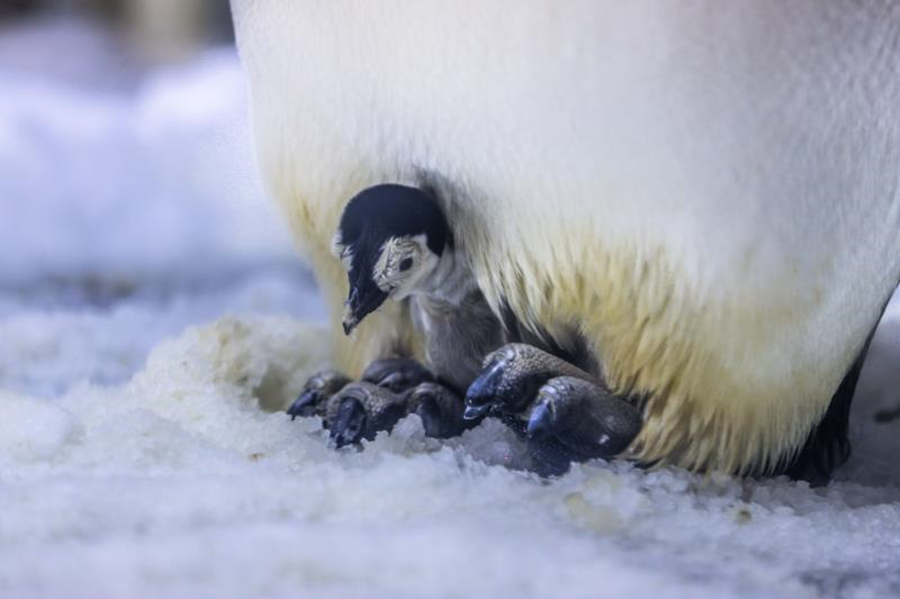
(349, 323)
(360, 303)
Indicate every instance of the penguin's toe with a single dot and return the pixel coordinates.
(305, 404)
(349, 424)
(316, 392)
(565, 414)
(440, 409)
(511, 377)
(507, 382)
(397, 374)
(584, 418)
(360, 411)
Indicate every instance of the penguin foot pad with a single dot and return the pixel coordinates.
(565, 414)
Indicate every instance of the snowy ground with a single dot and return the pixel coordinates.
(153, 316)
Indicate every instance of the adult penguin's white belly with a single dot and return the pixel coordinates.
(707, 192)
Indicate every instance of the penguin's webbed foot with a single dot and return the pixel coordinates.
(565, 414)
(397, 374)
(390, 389)
(360, 411)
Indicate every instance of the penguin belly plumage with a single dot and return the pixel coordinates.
(704, 193)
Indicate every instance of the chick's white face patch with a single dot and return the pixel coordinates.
(402, 264)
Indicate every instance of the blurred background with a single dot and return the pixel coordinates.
(156, 30)
(130, 205)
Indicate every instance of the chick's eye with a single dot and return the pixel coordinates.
(406, 264)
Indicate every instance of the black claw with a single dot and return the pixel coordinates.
(483, 391)
(430, 413)
(349, 425)
(542, 421)
(305, 405)
(475, 412)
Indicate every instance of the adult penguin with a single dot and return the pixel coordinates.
(704, 194)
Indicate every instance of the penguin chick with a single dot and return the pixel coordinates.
(395, 243)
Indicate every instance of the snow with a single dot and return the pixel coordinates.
(169, 162)
(156, 321)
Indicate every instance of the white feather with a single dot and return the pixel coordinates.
(707, 189)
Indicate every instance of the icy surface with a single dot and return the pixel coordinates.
(179, 482)
(154, 321)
